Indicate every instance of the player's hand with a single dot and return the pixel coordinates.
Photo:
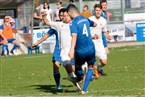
(95, 36)
(109, 37)
(71, 54)
(5, 41)
(43, 13)
(34, 45)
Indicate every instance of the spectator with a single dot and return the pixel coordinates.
(56, 12)
(48, 10)
(36, 16)
(7, 34)
(86, 13)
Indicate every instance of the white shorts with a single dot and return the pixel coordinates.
(101, 53)
(65, 57)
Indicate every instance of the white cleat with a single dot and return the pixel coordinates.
(83, 92)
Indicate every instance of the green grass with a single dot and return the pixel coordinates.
(32, 75)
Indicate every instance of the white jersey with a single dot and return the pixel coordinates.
(101, 26)
(64, 38)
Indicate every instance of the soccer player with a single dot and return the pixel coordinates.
(103, 3)
(6, 30)
(65, 42)
(96, 33)
(82, 46)
(56, 59)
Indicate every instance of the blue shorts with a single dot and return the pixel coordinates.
(104, 40)
(82, 57)
(11, 40)
(56, 55)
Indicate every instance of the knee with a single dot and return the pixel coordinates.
(104, 62)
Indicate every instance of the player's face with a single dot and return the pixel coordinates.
(70, 14)
(98, 12)
(61, 16)
(104, 6)
(66, 17)
(6, 19)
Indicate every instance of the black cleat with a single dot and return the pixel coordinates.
(102, 73)
(12, 52)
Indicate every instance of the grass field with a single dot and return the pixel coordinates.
(32, 75)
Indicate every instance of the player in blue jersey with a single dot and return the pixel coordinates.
(103, 3)
(82, 46)
(56, 55)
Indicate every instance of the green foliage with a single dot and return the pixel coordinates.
(32, 75)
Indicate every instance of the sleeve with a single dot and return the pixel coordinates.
(73, 28)
(51, 31)
(1, 27)
(35, 11)
(91, 23)
(54, 24)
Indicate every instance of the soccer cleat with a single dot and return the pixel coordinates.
(3, 55)
(84, 92)
(59, 87)
(72, 79)
(12, 53)
(93, 78)
(79, 89)
(102, 73)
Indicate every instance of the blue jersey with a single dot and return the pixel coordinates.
(104, 15)
(1, 27)
(56, 53)
(81, 27)
(51, 32)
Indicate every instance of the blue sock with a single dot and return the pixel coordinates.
(87, 79)
(7, 49)
(14, 47)
(4, 46)
(79, 74)
(57, 78)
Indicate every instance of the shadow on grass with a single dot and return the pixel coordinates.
(53, 89)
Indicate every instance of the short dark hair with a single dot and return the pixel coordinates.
(62, 10)
(102, 1)
(36, 5)
(59, 2)
(72, 7)
(98, 6)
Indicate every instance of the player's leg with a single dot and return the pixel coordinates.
(5, 47)
(67, 63)
(56, 64)
(56, 74)
(101, 64)
(16, 44)
(102, 55)
(68, 67)
(90, 59)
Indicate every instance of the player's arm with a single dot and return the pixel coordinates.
(73, 30)
(48, 34)
(73, 44)
(106, 31)
(43, 13)
(4, 38)
(41, 40)
(92, 24)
